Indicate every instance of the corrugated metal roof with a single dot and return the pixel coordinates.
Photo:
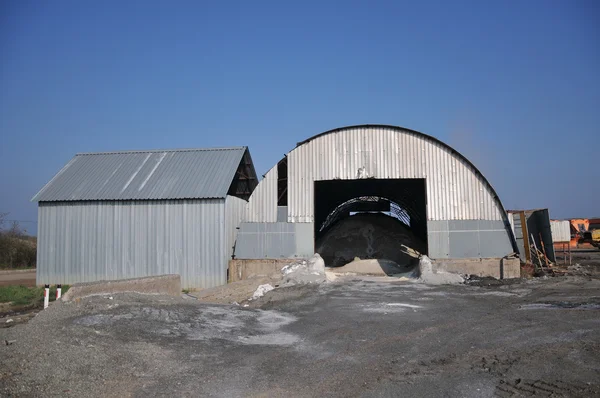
(145, 175)
(561, 231)
(455, 189)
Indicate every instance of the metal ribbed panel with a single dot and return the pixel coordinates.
(455, 191)
(156, 175)
(235, 208)
(91, 241)
(262, 205)
(561, 231)
(274, 240)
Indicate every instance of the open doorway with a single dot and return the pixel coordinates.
(370, 219)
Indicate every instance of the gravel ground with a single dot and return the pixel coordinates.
(355, 337)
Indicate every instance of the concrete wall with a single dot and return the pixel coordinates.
(246, 269)
(462, 239)
(505, 268)
(274, 240)
(498, 268)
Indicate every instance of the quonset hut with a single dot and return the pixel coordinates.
(362, 191)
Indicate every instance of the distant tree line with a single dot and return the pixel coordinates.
(17, 249)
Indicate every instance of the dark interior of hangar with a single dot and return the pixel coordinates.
(370, 218)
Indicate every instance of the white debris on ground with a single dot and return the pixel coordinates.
(330, 276)
(305, 271)
(261, 290)
(430, 276)
(312, 271)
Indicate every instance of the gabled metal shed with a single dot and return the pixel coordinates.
(119, 215)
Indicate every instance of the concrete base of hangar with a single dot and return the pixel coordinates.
(499, 268)
(473, 247)
(240, 270)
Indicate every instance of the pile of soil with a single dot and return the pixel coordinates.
(368, 236)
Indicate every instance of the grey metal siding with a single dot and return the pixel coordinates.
(438, 239)
(468, 239)
(104, 240)
(275, 240)
(141, 175)
(282, 212)
(235, 208)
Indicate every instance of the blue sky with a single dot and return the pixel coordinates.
(515, 86)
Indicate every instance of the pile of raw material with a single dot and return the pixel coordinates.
(368, 236)
(305, 271)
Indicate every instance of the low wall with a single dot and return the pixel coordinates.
(495, 267)
(162, 284)
(240, 270)
(504, 268)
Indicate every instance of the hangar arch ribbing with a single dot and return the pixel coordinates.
(458, 197)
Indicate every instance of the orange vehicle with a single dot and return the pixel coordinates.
(588, 231)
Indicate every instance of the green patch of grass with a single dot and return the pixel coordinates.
(185, 291)
(22, 295)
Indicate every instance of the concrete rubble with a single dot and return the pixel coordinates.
(431, 276)
(261, 290)
(305, 271)
(313, 271)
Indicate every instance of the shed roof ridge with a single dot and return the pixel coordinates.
(233, 148)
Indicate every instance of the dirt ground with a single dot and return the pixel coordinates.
(587, 258)
(25, 278)
(368, 336)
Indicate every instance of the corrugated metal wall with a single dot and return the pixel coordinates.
(561, 231)
(454, 190)
(262, 205)
(468, 239)
(275, 240)
(90, 241)
(235, 208)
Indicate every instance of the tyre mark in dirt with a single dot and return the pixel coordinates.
(542, 388)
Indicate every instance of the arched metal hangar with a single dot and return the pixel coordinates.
(440, 202)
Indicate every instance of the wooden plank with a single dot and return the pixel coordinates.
(525, 237)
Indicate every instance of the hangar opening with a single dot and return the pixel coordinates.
(370, 219)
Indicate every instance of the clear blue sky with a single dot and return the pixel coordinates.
(515, 86)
